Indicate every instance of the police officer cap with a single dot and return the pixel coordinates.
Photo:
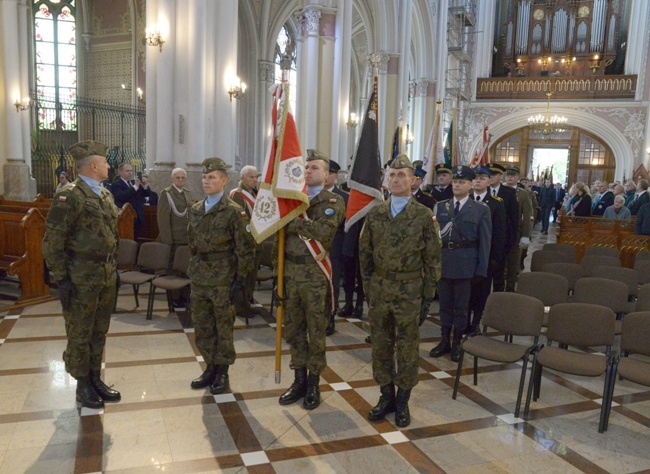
(463, 172)
(420, 173)
(496, 168)
(483, 170)
(214, 164)
(334, 167)
(442, 168)
(316, 155)
(401, 161)
(512, 169)
(87, 148)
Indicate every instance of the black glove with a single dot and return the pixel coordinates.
(237, 287)
(424, 309)
(67, 292)
(429, 188)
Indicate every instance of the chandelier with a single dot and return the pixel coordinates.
(547, 124)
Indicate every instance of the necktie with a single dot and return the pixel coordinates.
(494, 192)
(457, 207)
(477, 197)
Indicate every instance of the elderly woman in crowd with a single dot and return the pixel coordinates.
(618, 210)
(581, 202)
(63, 180)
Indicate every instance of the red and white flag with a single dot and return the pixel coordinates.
(482, 155)
(282, 194)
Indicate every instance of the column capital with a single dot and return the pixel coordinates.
(308, 21)
(266, 71)
(423, 87)
(379, 61)
(413, 86)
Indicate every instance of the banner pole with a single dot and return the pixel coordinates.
(280, 313)
(433, 156)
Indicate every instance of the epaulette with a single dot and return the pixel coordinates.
(497, 198)
(427, 194)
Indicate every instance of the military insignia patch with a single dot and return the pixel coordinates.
(332, 200)
(243, 213)
(63, 198)
(329, 212)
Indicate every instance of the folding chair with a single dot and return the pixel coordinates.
(170, 283)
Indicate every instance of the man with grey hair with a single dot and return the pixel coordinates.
(640, 198)
(618, 210)
(245, 194)
(630, 189)
(605, 200)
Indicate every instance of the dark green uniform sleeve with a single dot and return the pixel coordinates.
(431, 257)
(366, 255)
(61, 217)
(322, 229)
(244, 244)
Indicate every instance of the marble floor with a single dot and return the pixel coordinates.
(161, 425)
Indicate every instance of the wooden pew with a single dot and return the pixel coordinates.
(583, 232)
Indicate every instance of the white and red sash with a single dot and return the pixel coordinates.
(321, 256)
(249, 199)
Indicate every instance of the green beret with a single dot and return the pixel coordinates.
(87, 148)
(316, 155)
(214, 164)
(401, 161)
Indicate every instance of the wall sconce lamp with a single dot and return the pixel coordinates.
(409, 138)
(140, 93)
(154, 38)
(21, 104)
(594, 63)
(544, 62)
(353, 120)
(237, 89)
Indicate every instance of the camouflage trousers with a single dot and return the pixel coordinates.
(243, 301)
(307, 311)
(394, 316)
(214, 320)
(86, 326)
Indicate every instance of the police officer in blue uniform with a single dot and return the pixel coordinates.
(420, 196)
(465, 229)
(481, 286)
(442, 191)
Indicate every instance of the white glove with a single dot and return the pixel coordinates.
(524, 242)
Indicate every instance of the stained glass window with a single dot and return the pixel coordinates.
(285, 48)
(56, 63)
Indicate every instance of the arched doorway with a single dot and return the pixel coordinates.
(586, 158)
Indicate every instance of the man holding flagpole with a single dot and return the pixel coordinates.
(308, 276)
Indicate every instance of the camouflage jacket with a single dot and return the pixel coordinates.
(81, 226)
(406, 243)
(220, 243)
(326, 212)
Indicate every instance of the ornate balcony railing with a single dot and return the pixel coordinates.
(562, 87)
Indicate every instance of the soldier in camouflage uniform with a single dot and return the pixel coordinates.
(400, 253)
(80, 247)
(222, 255)
(308, 302)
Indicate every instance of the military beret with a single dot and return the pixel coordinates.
(482, 170)
(442, 168)
(512, 169)
(496, 168)
(316, 155)
(463, 172)
(87, 148)
(334, 167)
(214, 164)
(401, 161)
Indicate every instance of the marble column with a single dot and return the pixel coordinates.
(485, 18)
(308, 80)
(342, 135)
(266, 78)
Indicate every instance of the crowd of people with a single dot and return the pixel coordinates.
(458, 241)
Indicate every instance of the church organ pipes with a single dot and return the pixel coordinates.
(611, 34)
(523, 26)
(572, 27)
(547, 32)
(598, 26)
(558, 44)
(509, 40)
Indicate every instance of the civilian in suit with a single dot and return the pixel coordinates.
(581, 202)
(442, 191)
(125, 190)
(618, 210)
(606, 200)
(546, 203)
(642, 226)
(559, 199)
(509, 196)
(465, 229)
(420, 196)
(481, 286)
(640, 198)
(150, 197)
(336, 252)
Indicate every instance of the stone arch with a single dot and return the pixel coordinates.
(623, 154)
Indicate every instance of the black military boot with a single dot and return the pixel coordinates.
(220, 383)
(86, 394)
(330, 327)
(206, 378)
(402, 413)
(312, 396)
(358, 308)
(385, 405)
(298, 388)
(443, 347)
(348, 309)
(455, 346)
(104, 391)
